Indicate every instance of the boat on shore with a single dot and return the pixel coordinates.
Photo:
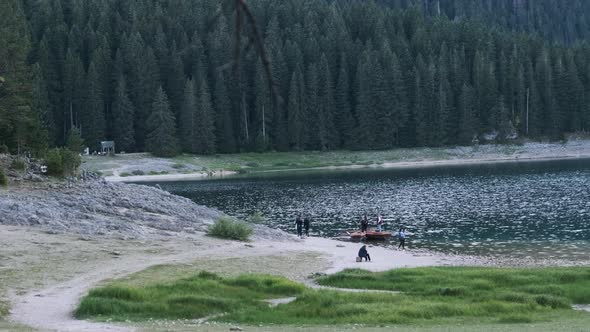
(369, 235)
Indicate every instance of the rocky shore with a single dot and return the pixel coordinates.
(97, 208)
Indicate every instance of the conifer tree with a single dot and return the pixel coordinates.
(223, 121)
(161, 128)
(187, 119)
(311, 104)
(365, 103)
(92, 123)
(263, 110)
(296, 112)
(75, 143)
(468, 125)
(343, 112)
(123, 116)
(205, 123)
(328, 136)
(74, 82)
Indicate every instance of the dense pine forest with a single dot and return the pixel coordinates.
(160, 75)
(566, 21)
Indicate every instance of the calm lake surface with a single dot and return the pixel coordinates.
(524, 209)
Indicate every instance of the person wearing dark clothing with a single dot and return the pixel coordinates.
(306, 223)
(364, 224)
(363, 253)
(402, 239)
(299, 224)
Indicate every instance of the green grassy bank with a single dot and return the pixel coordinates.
(429, 297)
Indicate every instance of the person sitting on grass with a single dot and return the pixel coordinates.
(363, 253)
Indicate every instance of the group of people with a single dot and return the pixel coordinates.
(302, 225)
(378, 223)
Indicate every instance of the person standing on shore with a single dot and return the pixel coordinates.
(364, 224)
(306, 224)
(299, 225)
(402, 239)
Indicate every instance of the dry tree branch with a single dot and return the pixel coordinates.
(243, 12)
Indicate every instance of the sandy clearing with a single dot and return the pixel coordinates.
(167, 177)
(51, 308)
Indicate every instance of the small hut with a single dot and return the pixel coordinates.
(107, 147)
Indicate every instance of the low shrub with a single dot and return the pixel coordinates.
(3, 149)
(54, 163)
(138, 172)
(257, 218)
(178, 166)
(18, 164)
(3, 178)
(229, 228)
(61, 162)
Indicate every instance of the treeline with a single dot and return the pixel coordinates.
(565, 21)
(158, 75)
(19, 121)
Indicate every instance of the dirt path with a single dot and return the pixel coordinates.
(52, 308)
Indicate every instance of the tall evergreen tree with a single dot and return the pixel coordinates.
(161, 138)
(468, 126)
(328, 136)
(343, 106)
(205, 128)
(123, 116)
(92, 122)
(296, 111)
(225, 135)
(187, 118)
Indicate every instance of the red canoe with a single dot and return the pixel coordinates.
(370, 235)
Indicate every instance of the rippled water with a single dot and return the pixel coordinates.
(524, 208)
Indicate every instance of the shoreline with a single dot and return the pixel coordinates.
(406, 165)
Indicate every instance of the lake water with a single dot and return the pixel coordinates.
(523, 209)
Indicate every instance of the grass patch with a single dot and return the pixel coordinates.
(430, 297)
(195, 297)
(509, 295)
(229, 228)
(124, 174)
(178, 166)
(257, 218)
(18, 165)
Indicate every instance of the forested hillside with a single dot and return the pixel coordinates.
(158, 74)
(565, 21)
(19, 122)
